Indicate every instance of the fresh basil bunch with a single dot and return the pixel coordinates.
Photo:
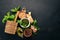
(10, 17)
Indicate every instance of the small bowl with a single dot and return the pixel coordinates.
(27, 25)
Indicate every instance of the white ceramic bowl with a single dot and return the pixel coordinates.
(27, 25)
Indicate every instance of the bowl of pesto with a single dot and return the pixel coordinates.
(24, 23)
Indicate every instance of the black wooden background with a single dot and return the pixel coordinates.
(47, 12)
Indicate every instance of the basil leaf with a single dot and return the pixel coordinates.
(18, 21)
(35, 22)
(8, 13)
(4, 19)
(15, 9)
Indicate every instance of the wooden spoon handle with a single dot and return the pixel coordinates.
(16, 16)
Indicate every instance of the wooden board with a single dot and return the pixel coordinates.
(10, 27)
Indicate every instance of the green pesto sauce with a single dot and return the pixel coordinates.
(24, 22)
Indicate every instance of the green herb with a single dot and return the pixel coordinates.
(35, 24)
(18, 21)
(15, 9)
(11, 16)
(8, 17)
(24, 22)
(8, 13)
(37, 27)
(4, 19)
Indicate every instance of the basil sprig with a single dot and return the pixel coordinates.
(35, 24)
(8, 17)
(15, 9)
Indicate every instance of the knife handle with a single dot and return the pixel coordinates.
(16, 16)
